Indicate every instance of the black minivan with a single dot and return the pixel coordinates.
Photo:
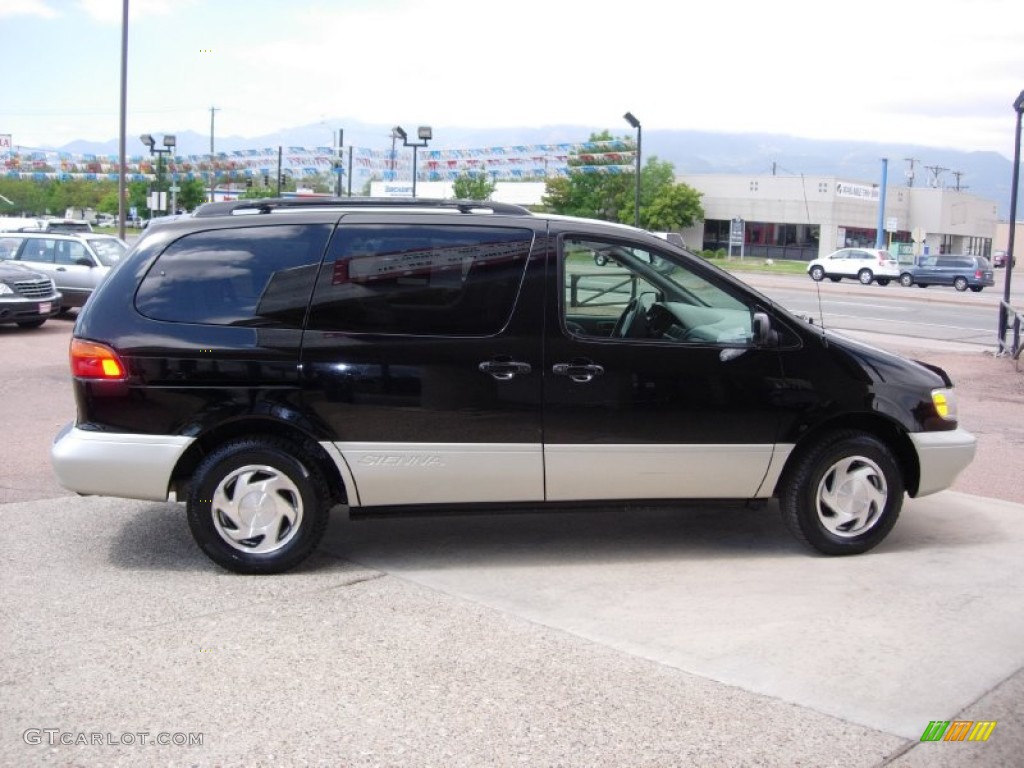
(265, 361)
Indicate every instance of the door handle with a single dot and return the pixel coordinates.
(581, 373)
(504, 370)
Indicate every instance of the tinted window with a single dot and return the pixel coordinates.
(421, 280)
(258, 276)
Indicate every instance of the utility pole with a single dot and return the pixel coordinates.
(958, 174)
(910, 174)
(213, 173)
(936, 171)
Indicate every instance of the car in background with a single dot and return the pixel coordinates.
(999, 259)
(105, 220)
(76, 263)
(27, 298)
(961, 272)
(867, 265)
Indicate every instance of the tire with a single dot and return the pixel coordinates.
(906, 279)
(843, 495)
(922, 285)
(835, 279)
(976, 288)
(269, 485)
(817, 273)
(882, 281)
(960, 283)
(865, 277)
(32, 323)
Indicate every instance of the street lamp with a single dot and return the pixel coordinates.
(636, 202)
(1004, 306)
(425, 134)
(169, 143)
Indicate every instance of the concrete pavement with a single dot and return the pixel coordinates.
(647, 637)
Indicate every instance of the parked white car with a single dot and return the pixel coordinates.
(77, 264)
(866, 264)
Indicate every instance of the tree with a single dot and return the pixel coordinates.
(192, 194)
(664, 204)
(473, 187)
(589, 193)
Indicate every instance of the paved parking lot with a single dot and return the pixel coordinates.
(640, 637)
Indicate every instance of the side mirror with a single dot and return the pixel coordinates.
(85, 261)
(764, 334)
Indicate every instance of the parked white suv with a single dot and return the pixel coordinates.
(866, 264)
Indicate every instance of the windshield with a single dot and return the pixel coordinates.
(109, 250)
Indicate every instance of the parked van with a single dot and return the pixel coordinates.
(265, 361)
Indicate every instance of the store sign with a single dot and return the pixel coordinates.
(859, 191)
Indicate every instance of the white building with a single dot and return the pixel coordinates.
(804, 217)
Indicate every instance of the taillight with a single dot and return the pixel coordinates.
(979, 274)
(90, 360)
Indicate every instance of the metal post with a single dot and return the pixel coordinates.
(350, 171)
(880, 231)
(631, 119)
(279, 150)
(340, 169)
(415, 147)
(1018, 107)
(122, 186)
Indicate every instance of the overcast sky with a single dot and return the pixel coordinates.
(942, 73)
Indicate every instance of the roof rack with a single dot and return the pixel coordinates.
(266, 205)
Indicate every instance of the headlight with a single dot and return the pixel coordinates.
(944, 401)
(5, 288)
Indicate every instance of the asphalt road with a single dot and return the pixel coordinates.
(641, 637)
(937, 312)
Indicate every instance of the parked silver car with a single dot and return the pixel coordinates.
(77, 263)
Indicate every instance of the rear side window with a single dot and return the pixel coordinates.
(252, 276)
(430, 280)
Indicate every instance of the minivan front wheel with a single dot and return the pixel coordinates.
(817, 273)
(843, 495)
(258, 505)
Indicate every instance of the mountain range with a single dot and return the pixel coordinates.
(985, 174)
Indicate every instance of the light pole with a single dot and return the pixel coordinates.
(1018, 107)
(639, 133)
(169, 143)
(424, 133)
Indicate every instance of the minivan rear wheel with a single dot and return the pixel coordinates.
(960, 283)
(258, 505)
(843, 495)
(865, 276)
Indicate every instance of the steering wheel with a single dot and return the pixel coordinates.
(627, 320)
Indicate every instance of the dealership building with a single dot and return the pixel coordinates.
(800, 217)
(804, 217)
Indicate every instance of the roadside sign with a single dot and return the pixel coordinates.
(736, 232)
(892, 224)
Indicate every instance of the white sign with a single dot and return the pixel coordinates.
(892, 224)
(859, 191)
(5, 142)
